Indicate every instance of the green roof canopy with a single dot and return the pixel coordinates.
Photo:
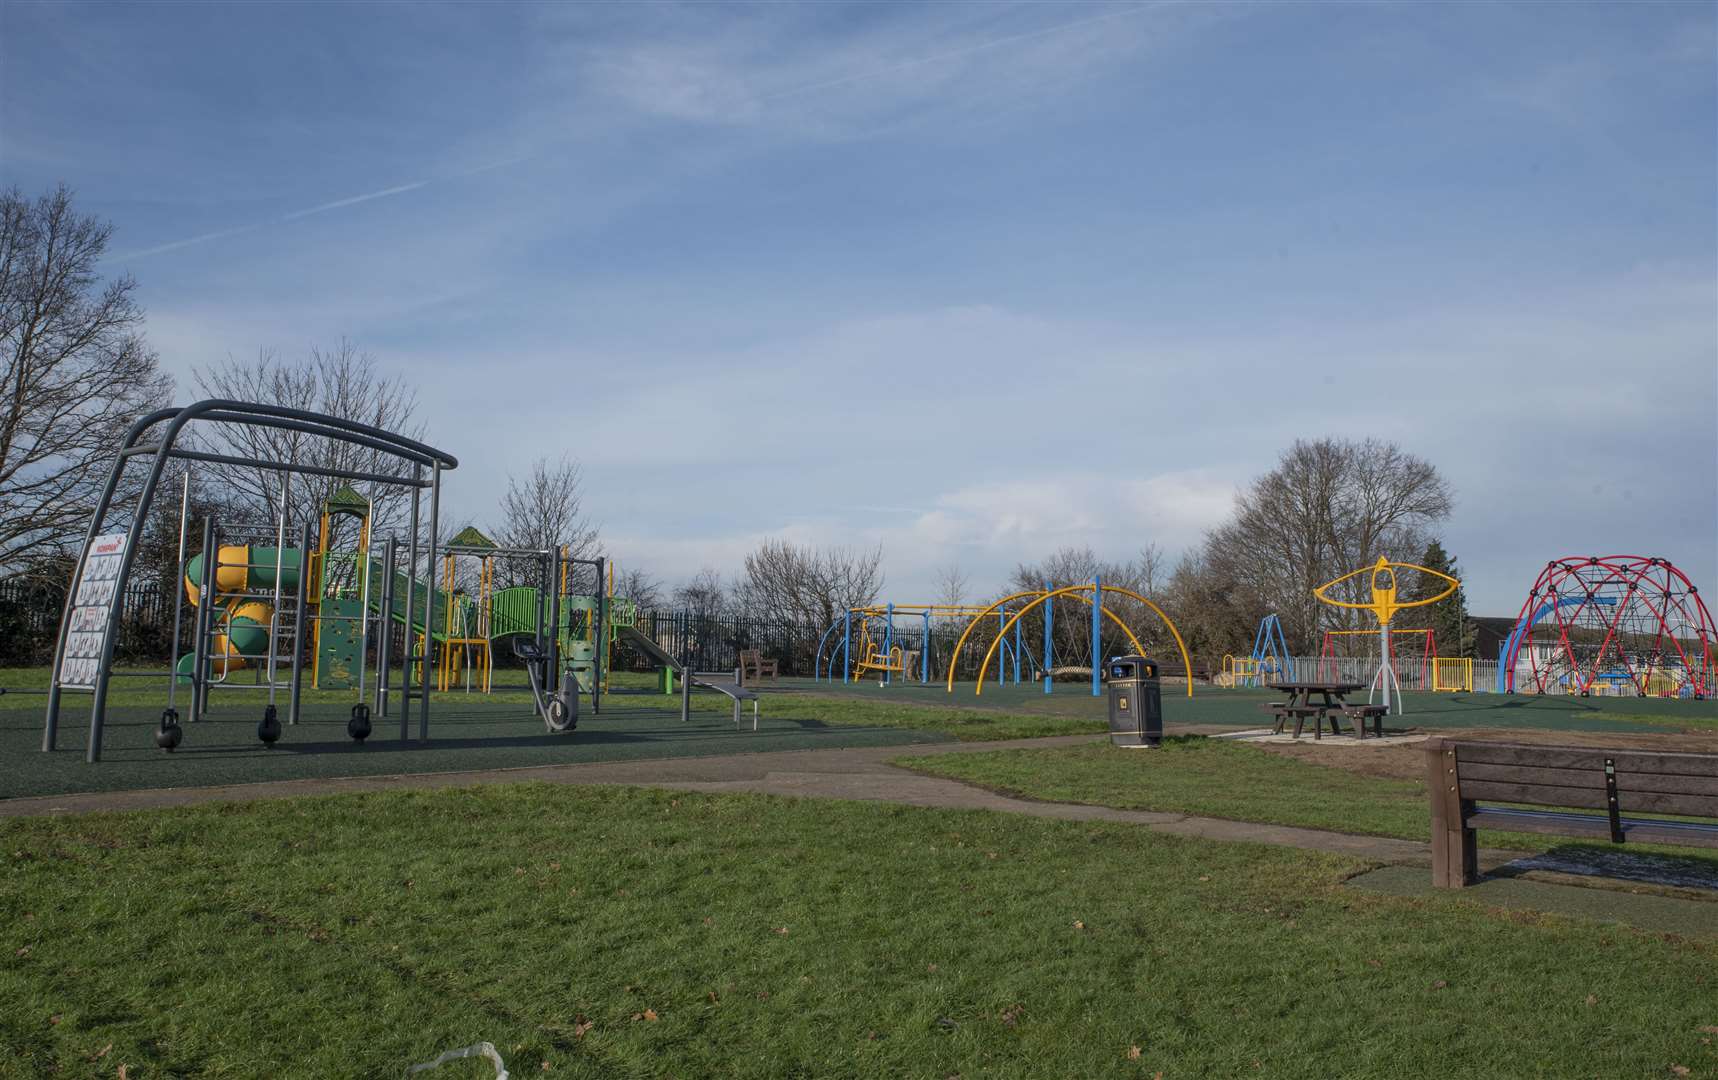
(344, 498)
(469, 537)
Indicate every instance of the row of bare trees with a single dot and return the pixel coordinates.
(1329, 506)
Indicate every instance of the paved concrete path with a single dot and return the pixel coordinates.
(861, 773)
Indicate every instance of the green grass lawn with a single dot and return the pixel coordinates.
(631, 933)
(1224, 779)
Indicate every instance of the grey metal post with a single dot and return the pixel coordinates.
(298, 622)
(685, 687)
(411, 589)
(368, 528)
(385, 628)
(599, 645)
(179, 590)
(1386, 671)
(428, 668)
(205, 602)
(552, 560)
(279, 560)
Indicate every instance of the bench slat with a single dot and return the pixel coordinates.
(1640, 802)
(1567, 757)
(1670, 784)
(1584, 798)
(1473, 772)
(1627, 782)
(1640, 830)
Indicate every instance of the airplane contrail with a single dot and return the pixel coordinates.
(400, 189)
(218, 234)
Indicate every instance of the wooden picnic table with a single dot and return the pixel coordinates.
(1299, 706)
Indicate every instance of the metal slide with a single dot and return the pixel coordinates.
(647, 645)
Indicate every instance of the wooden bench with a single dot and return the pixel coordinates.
(1362, 713)
(754, 668)
(1465, 776)
(1300, 714)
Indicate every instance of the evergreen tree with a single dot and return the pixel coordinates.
(1448, 617)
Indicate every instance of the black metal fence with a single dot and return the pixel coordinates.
(714, 643)
(30, 611)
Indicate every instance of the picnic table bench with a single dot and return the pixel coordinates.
(1300, 707)
(1467, 777)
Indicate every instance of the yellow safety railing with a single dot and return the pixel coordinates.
(1452, 674)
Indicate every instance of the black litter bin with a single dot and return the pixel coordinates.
(1136, 702)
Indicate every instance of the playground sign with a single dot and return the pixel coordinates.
(91, 612)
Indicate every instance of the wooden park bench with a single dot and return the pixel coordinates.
(1466, 777)
(1170, 670)
(1360, 714)
(754, 668)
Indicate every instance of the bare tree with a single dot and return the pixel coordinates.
(76, 373)
(1148, 569)
(952, 585)
(1329, 507)
(343, 382)
(1071, 626)
(704, 597)
(642, 588)
(806, 585)
(545, 510)
(1214, 613)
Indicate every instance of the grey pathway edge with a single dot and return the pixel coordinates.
(859, 773)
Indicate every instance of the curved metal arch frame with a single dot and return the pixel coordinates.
(1074, 591)
(982, 615)
(1385, 610)
(227, 411)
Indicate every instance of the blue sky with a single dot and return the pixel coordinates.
(972, 281)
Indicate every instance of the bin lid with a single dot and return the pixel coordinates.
(1131, 666)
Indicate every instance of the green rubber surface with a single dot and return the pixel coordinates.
(465, 734)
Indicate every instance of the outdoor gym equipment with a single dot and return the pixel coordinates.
(1591, 622)
(560, 709)
(1382, 601)
(83, 651)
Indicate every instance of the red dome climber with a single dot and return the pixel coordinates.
(1613, 623)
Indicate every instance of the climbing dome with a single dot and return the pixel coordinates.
(1613, 624)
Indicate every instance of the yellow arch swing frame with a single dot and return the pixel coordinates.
(1040, 596)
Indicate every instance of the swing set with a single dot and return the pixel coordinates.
(862, 642)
